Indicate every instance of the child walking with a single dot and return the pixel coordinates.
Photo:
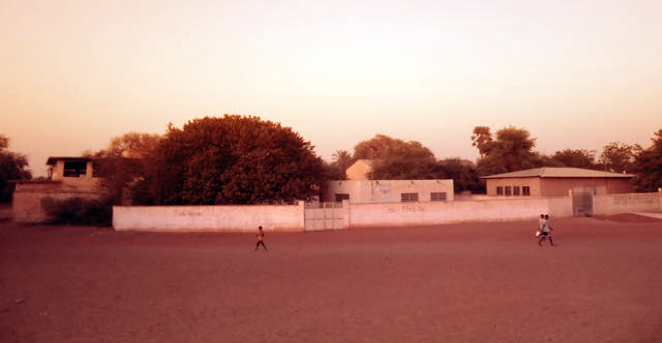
(546, 231)
(260, 239)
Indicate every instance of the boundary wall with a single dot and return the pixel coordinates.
(291, 218)
(247, 218)
(627, 202)
(435, 213)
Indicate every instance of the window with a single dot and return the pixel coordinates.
(499, 190)
(409, 197)
(438, 196)
(508, 191)
(342, 196)
(526, 191)
(516, 190)
(75, 169)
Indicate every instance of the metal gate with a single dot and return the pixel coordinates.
(582, 202)
(328, 216)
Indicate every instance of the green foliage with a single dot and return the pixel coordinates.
(619, 157)
(405, 161)
(333, 172)
(13, 166)
(464, 175)
(232, 160)
(122, 167)
(373, 149)
(574, 158)
(512, 150)
(648, 166)
(78, 211)
(482, 139)
(343, 160)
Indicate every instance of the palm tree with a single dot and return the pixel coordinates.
(343, 159)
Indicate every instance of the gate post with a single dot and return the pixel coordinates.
(346, 212)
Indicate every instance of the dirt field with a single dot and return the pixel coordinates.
(453, 283)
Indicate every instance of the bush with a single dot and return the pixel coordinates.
(78, 211)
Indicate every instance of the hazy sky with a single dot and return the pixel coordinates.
(575, 73)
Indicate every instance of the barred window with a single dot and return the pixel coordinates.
(409, 197)
(499, 190)
(516, 190)
(508, 191)
(526, 191)
(438, 196)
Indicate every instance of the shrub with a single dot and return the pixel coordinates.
(78, 211)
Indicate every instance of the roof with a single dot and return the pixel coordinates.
(559, 172)
(53, 160)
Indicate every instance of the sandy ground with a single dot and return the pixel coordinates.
(452, 283)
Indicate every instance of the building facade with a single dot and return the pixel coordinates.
(385, 191)
(69, 177)
(553, 182)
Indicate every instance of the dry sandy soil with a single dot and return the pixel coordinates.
(453, 283)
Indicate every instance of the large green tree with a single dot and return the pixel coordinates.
(400, 160)
(373, 148)
(648, 166)
(512, 150)
(576, 158)
(619, 157)
(13, 166)
(233, 160)
(123, 166)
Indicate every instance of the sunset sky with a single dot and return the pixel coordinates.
(575, 73)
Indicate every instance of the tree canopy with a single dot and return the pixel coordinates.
(233, 160)
(512, 150)
(619, 157)
(13, 166)
(648, 166)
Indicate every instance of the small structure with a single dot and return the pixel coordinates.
(385, 191)
(360, 170)
(554, 182)
(68, 177)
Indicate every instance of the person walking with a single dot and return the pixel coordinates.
(260, 239)
(546, 231)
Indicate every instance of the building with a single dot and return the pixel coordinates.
(360, 170)
(384, 191)
(68, 177)
(552, 182)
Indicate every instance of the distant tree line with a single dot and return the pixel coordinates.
(244, 160)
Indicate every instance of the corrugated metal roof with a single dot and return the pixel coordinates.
(558, 172)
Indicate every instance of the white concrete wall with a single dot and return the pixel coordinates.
(435, 213)
(628, 202)
(209, 218)
(381, 191)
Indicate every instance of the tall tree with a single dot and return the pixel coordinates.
(482, 140)
(122, 167)
(373, 148)
(406, 161)
(234, 160)
(619, 157)
(648, 166)
(343, 159)
(13, 166)
(512, 150)
(576, 158)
